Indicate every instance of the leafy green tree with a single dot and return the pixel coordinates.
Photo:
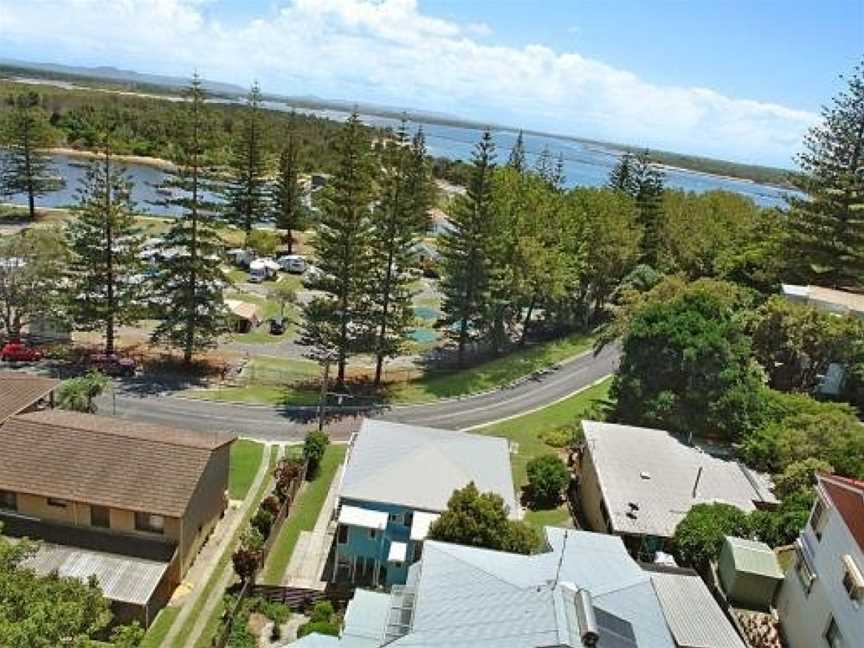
(263, 242)
(247, 193)
(78, 394)
(32, 266)
(517, 161)
(699, 536)
(287, 195)
(105, 244)
(761, 259)
(314, 446)
(782, 526)
(190, 283)
(337, 322)
(800, 476)
(547, 479)
(465, 253)
(827, 224)
(127, 636)
(24, 168)
(686, 367)
(248, 555)
(284, 294)
(398, 223)
(480, 520)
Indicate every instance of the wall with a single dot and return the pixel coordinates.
(590, 496)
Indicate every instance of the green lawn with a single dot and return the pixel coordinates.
(156, 632)
(525, 431)
(492, 374)
(257, 395)
(303, 517)
(245, 460)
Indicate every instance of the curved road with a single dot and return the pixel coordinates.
(291, 423)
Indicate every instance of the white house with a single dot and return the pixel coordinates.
(821, 601)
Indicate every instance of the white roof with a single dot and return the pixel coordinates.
(356, 516)
(122, 578)
(826, 299)
(261, 264)
(420, 524)
(398, 551)
(420, 467)
(661, 481)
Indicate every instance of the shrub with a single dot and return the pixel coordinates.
(323, 611)
(547, 478)
(263, 521)
(313, 450)
(286, 472)
(559, 437)
(799, 476)
(699, 536)
(321, 627)
(247, 557)
(271, 504)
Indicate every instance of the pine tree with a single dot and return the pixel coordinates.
(558, 177)
(544, 167)
(647, 189)
(621, 176)
(24, 133)
(827, 226)
(287, 195)
(465, 252)
(399, 221)
(105, 243)
(246, 192)
(517, 160)
(337, 324)
(190, 283)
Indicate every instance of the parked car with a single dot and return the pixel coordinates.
(17, 351)
(277, 326)
(113, 365)
(257, 275)
(293, 263)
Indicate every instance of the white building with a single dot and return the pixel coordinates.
(821, 601)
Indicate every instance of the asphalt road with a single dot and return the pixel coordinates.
(291, 423)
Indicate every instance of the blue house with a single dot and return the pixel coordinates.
(396, 481)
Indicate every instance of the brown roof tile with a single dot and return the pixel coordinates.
(104, 461)
(19, 391)
(848, 498)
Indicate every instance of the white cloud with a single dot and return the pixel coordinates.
(390, 51)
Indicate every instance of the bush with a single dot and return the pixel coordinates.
(263, 521)
(271, 504)
(313, 450)
(286, 472)
(560, 437)
(799, 476)
(699, 536)
(547, 479)
(247, 557)
(321, 627)
(323, 611)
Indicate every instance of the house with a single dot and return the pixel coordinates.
(396, 480)
(582, 590)
(22, 392)
(749, 573)
(639, 483)
(829, 300)
(129, 502)
(692, 614)
(243, 316)
(821, 600)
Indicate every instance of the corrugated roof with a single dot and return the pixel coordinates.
(365, 619)
(242, 309)
(695, 619)
(847, 495)
(387, 461)
(19, 391)
(753, 557)
(661, 482)
(356, 516)
(122, 578)
(104, 461)
(420, 523)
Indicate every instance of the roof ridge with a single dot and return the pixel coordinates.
(497, 577)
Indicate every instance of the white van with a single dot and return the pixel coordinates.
(293, 263)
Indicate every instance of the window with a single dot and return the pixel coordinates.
(342, 537)
(396, 518)
(818, 518)
(100, 516)
(409, 518)
(56, 501)
(853, 581)
(397, 565)
(418, 551)
(373, 533)
(804, 570)
(8, 500)
(149, 522)
(832, 635)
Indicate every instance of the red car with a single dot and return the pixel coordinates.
(17, 351)
(113, 365)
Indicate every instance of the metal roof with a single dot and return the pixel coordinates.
(398, 551)
(754, 557)
(122, 578)
(356, 516)
(826, 299)
(693, 616)
(666, 482)
(420, 523)
(420, 467)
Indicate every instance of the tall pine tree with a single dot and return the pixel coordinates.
(517, 161)
(337, 324)
(827, 225)
(24, 168)
(246, 192)
(190, 283)
(621, 175)
(398, 224)
(287, 195)
(105, 244)
(465, 253)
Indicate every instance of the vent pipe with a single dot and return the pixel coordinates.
(588, 629)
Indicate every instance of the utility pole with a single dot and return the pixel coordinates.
(322, 398)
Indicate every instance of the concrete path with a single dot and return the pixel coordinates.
(307, 563)
(205, 565)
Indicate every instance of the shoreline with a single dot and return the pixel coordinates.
(157, 163)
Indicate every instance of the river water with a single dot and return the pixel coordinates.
(585, 164)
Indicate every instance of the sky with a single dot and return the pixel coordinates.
(736, 79)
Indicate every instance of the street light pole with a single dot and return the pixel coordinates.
(322, 398)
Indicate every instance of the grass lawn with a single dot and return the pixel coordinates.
(525, 431)
(492, 374)
(304, 515)
(257, 395)
(156, 632)
(245, 460)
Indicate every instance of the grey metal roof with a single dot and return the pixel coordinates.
(122, 578)
(692, 613)
(420, 467)
(754, 557)
(657, 472)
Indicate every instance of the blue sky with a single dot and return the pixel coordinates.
(732, 78)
